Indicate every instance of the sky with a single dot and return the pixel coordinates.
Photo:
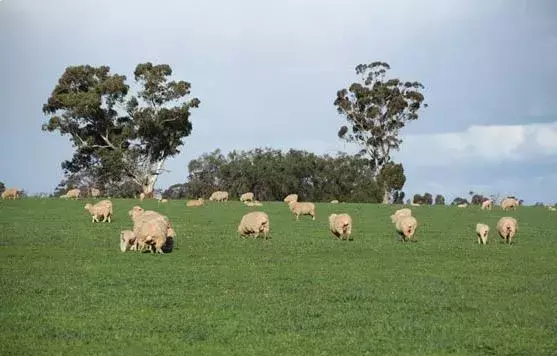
(267, 73)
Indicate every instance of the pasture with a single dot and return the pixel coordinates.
(67, 288)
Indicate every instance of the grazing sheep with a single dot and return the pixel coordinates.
(127, 240)
(482, 230)
(141, 196)
(12, 193)
(302, 209)
(291, 197)
(552, 208)
(101, 209)
(164, 200)
(341, 226)
(406, 227)
(246, 197)
(95, 193)
(400, 213)
(253, 203)
(197, 202)
(509, 203)
(463, 205)
(507, 227)
(219, 196)
(73, 193)
(64, 196)
(334, 201)
(254, 223)
(150, 232)
(487, 204)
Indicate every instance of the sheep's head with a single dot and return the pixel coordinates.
(88, 207)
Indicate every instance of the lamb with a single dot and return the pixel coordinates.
(219, 196)
(482, 230)
(302, 209)
(12, 193)
(254, 223)
(487, 204)
(507, 227)
(193, 203)
(406, 227)
(334, 201)
(400, 213)
(73, 193)
(509, 203)
(253, 203)
(101, 209)
(127, 240)
(246, 197)
(341, 226)
(291, 197)
(95, 193)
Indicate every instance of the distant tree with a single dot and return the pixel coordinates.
(376, 109)
(477, 199)
(520, 202)
(391, 178)
(119, 137)
(539, 204)
(2, 187)
(398, 197)
(459, 200)
(439, 199)
(418, 199)
(427, 199)
(175, 191)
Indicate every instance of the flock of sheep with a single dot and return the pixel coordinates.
(153, 231)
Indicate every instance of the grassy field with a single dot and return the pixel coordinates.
(67, 289)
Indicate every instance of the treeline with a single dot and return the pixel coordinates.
(272, 174)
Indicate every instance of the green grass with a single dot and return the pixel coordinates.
(67, 289)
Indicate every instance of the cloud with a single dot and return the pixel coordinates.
(483, 143)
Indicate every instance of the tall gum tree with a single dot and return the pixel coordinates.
(376, 109)
(118, 134)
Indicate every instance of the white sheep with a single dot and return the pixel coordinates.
(507, 228)
(406, 227)
(219, 196)
(73, 193)
(253, 203)
(334, 201)
(127, 240)
(10, 193)
(487, 204)
(95, 193)
(482, 230)
(305, 208)
(341, 226)
(247, 197)
(101, 209)
(509, 203)
(291, 197)
(254, 223)
(196, 202)
(463, 205)
(399, 213)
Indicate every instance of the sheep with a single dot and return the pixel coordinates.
(12, 193)
(482, 230)
(194, 203)
(291, 197)
(334, 201)
(64, 196)
(101, 209)
(219, 196)
(507, 227)
(253, 203)
(406, 227)
(399, 213)
(463, 205)
(95, 193)
(254, 223)
(341, 226)
(487, 204)
(552, 208)
(509, 203)
(141, 196)
(302, 209)
(148, 225)
(73, 193)
(246, 197)
(164, 200)
(415, 204)
(127, 240)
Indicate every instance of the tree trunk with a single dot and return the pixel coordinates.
(386, 197)
(149, 186)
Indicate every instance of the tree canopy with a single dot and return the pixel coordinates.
(376, 109)
(118, 135)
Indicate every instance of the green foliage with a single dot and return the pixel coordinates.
(68, 290)
(459, 200)
(271, 175)
(391, 177)
(398, 197)
(376, 109)
(439, 199)
(427, 199)
(2, 187)
(116, 135)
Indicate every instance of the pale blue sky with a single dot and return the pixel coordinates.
(267, 73)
